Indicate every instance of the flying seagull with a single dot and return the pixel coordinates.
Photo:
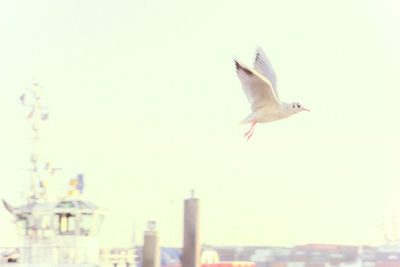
(259, 86)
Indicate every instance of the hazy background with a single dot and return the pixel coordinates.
(144, 100)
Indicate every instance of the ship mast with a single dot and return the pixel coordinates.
(38, 190)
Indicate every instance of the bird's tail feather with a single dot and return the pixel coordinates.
(248, 119)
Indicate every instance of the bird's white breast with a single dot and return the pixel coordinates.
(267, 114)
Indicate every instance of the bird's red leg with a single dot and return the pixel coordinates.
(249, 133)
(252, 131)
(246, 133)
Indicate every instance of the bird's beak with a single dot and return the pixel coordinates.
(305, 109)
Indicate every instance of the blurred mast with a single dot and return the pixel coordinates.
(38, 187)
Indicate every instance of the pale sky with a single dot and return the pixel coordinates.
(144, 100)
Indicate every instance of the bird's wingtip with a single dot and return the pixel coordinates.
(259, 49)
(236, 62)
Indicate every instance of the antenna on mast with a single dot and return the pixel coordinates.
(31, 99)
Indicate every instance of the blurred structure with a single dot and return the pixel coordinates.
(54, 230)
(118, 257)
(390, 230)
(151, 248)
(191, 240)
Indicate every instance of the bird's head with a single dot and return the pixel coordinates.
(297, 107)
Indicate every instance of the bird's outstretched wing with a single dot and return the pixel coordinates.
(264, 67)
(257, 88)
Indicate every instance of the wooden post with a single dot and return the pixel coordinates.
(191, 240)
(151, 249)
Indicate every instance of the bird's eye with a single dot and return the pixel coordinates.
(298, 105)
(293, 105)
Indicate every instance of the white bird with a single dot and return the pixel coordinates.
(259, 86)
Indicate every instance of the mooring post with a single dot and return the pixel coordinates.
(191, 240)
(151, 249)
